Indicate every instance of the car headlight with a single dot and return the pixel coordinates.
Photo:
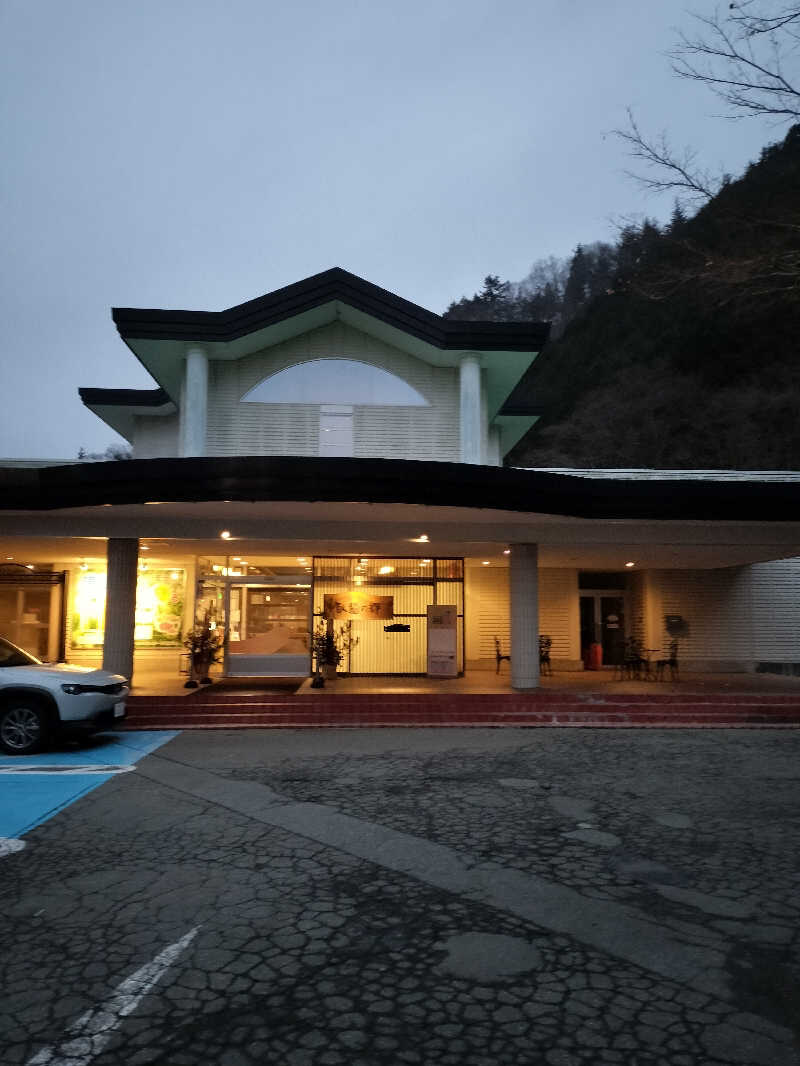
(72, 690)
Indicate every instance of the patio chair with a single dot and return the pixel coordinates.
(499, 656)
(633, 662)
(671, 661)
(545, 667)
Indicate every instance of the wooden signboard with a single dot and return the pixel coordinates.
(442, 641)
(341, 606)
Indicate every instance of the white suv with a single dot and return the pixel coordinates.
(38, 700)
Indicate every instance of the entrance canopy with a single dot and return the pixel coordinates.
(345, 505)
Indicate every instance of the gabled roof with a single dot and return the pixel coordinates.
(330, 285)
(160, 340)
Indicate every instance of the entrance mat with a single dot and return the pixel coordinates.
(246, 686)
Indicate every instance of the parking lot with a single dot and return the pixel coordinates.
(413, 896)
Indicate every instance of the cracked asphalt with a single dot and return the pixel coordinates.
(359, 897)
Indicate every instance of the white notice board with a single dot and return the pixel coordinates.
(442, 641)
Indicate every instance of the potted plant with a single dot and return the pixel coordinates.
(326, 655)
(204, 642)
(329, 647)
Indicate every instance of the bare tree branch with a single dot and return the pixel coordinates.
(668, 170)
(752, 25)
(743, 58)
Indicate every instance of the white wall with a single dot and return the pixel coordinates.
(717, 606)
(155, 436)
(488, 614)
(236, 428)
(775, 594)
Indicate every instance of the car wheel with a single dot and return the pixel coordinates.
(23, 727)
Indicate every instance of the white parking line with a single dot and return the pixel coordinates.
(94, 768)
(92, 1031)
(8, 845)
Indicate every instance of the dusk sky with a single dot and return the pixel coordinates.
(195, 155)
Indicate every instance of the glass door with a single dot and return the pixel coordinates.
(612, 619)
(268, 630)
(602, 621)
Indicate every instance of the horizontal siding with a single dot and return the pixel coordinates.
(488, 611)
(716, 604)
(236, 428)
(775, 591)
(558, 611)
(155, 436)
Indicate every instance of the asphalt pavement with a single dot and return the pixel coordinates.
(462, 897)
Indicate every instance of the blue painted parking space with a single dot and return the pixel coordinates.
(35, 787)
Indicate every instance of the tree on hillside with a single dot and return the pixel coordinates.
(492, 303)
(114, 452)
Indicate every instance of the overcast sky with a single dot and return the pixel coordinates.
(196, 154)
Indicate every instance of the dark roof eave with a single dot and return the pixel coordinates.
(282, 478)
(330, 285)
(124, 397)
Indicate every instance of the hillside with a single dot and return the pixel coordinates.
(691, 357)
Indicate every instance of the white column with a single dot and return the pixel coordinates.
(194, 403)
(122, 555)
(493, 456)
(470, 408)
(484, 420)
(524, 585)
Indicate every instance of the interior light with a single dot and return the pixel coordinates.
(630, 564)
(386, 570)
(485, 562)
(237, 558)
(301, 559)
(425, 562)
(226, 534)
(423, 538)
(506, 551)
(29, 566)
(363, 561)
(84, 566)
(9, 558)
(144, 547)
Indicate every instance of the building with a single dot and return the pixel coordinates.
(333, 440)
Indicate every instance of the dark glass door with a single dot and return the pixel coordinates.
(588, 628)
(612, 621)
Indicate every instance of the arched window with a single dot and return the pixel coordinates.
(336, 381)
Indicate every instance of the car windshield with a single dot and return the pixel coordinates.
(11, 655)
